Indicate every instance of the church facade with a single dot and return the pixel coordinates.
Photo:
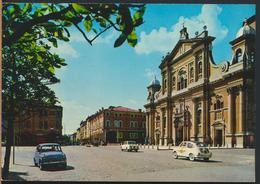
(200, 100)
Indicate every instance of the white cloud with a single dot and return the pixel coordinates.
(65, 50)
(163, 40)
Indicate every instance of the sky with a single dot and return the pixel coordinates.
(101, 76)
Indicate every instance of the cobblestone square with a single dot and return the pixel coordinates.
(109, 163)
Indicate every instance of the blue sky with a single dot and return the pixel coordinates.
(100, 75)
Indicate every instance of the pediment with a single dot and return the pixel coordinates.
(182, 47)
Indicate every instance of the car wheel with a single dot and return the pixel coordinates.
(191, 157)
(35, 164)
(135, 150)
(206, 159)
(175, 155)
(41, 166)
(65, 166)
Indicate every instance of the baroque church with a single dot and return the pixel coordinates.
(200, 100)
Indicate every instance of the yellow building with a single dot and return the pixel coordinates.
(201, 100)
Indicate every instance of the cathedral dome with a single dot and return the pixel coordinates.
(245, 30)
(155, 82)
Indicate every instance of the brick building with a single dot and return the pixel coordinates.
(37, 125)
(201, 100)
(113, 125)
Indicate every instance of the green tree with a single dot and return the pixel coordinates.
(29, 31)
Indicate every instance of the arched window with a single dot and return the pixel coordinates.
(238, 56)
(199, 117)
(165, 83)
(173, 82)
(191, 74)
(182, 79)
(218, 105)
(200, 67)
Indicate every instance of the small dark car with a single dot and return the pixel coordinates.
(49, 154)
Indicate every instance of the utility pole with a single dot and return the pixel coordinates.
(117, 135)
(14, 145)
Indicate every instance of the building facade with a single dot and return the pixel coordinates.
(201, 100)
(113, 125)
(37, 125)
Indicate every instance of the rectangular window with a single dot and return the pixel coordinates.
(45, 125)
(107, 123)
(118, 124)
(58, 124)
(120, 135)
(133, 135)
(40, 125)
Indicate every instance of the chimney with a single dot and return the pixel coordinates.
(140, 110)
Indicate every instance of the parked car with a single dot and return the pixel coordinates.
(49, 154)
(192, 150)
(129, 146)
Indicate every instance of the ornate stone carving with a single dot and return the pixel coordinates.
(224, 66)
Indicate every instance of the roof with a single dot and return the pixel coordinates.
(124, 109)
(49, 144)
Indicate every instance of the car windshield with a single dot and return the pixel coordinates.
(131, 142)
(46, 148)
(200, 144)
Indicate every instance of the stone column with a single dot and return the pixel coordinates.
(194, 123)
(241, 110)
(240, 139)
(152, 126)
(170, 125)
(230, 118)
(166, 114)
(147, 126)
(203, 121)
(173, 131)
(230, 111)
(161, 128)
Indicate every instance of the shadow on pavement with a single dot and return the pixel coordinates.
(17, 176)
(197, 160)
(59, 168)
(25, 165)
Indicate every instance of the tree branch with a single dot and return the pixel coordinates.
(100, 33)
(82, 32)
(26, 26)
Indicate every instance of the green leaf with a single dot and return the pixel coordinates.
(132, 39)
(102, 23)
(53, 41)
(39, 58)
(67, 31)
(44, 4)
(88, 23)
(27, 8)
(51, 69)
(120, 40)
(69, 15)
(139, 13)
(79, 8)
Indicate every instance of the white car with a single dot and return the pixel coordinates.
(129, 146)
(192, 150)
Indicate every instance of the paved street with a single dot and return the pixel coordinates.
(111, 164)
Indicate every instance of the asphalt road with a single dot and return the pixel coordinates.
(109, 163)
